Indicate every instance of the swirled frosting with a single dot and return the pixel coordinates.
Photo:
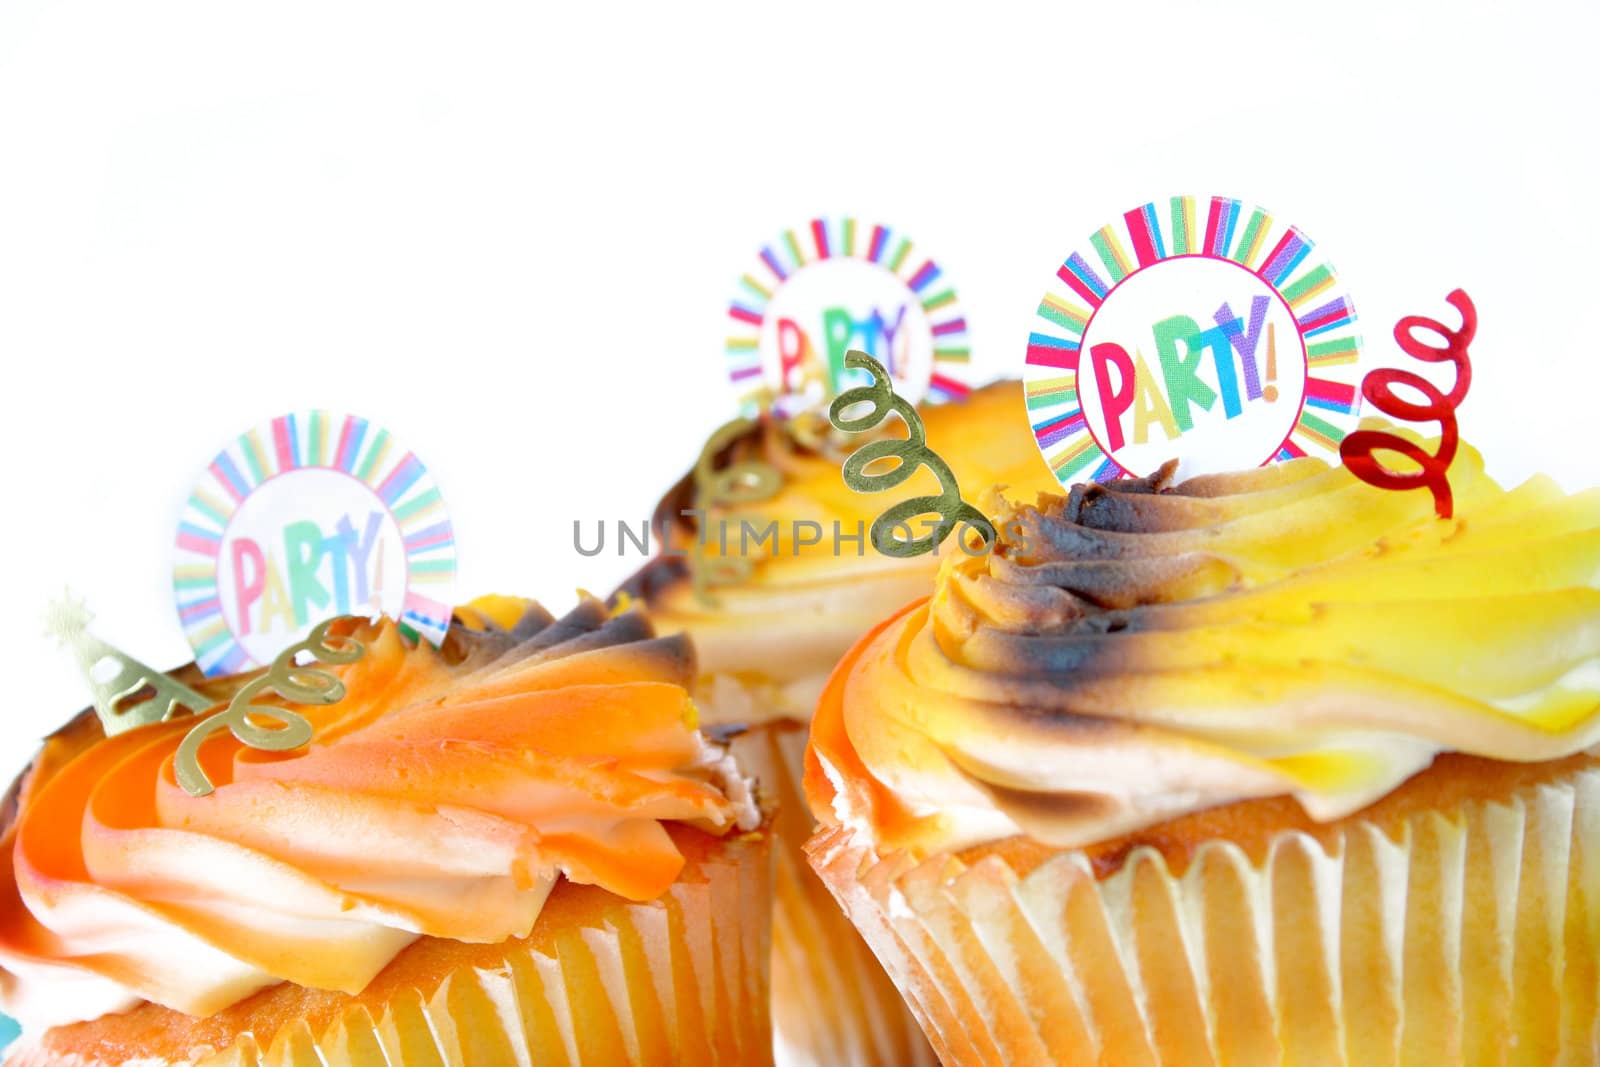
(1135, 652)
(443, 796)
(767, 641)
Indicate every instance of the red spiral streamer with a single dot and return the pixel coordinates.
(1358, 448)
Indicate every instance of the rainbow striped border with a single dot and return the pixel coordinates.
(823, 239)
(1280, 255)
(307, 441)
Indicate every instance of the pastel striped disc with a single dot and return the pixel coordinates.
(307, 517)
(837, 284)
(1198, 329)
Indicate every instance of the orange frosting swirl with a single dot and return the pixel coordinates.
(1136, 652)
(768, 641)
(443, 796)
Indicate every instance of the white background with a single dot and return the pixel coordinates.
(509, 232)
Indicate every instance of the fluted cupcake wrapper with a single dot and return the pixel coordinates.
(832, 1003)
(1466, 937)
(677, 980)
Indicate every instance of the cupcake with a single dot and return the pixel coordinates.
(1270, 767)
(517, 848)
(770, 618)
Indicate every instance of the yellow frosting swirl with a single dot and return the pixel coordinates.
(442, 796)
(1135, 652)
(767, 641)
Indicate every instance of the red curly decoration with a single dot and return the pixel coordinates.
(1378, 387)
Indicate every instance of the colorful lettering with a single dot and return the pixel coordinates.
(361, 552)
(888, 332)
(1181, 372)
(1245, 340)
(275, 610)
(247, 590)
(302, 545)
(1149, 405)
(794, 352)
(1216, 340)
(1114, 399)
(838, 327)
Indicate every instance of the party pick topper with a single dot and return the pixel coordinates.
(1202, 329)
(834, 285)
(310, 516)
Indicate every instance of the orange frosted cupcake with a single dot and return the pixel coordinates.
(770, 618)
(518, 848)
(1273, 767)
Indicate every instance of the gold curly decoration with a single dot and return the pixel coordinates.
(301, 684)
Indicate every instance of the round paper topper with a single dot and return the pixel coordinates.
(1201, 330)
(837, 284)
(307, 517)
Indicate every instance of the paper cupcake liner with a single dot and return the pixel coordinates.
(1472, 938)
(832, 1003)
(678, 980)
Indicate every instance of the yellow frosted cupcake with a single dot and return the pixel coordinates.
(774, 588)
(516, 849)
(1273, 767)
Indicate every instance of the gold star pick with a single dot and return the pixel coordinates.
(115, 678)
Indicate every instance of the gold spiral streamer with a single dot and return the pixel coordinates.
(297, 683)
(748, 481)
(910, 453)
